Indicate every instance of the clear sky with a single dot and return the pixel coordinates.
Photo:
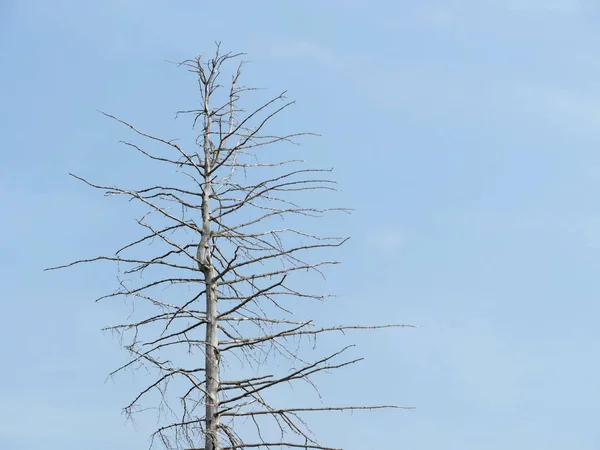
(465, 133)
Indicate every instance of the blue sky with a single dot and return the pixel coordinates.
(466, 135)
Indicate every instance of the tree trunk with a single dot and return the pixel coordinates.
(212, 356)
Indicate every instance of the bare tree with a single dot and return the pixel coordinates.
(218, 265)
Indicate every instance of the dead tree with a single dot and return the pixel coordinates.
(221, 276)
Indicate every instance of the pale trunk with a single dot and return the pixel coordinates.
(212, 343)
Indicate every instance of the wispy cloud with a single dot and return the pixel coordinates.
(59, 425)
(557, 6)
(481, 362)
(472, 12)
(440, 16)
(436, 15)
(387, 240)
(569, 108)
(304, 49)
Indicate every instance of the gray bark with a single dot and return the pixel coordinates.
(212, 353)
